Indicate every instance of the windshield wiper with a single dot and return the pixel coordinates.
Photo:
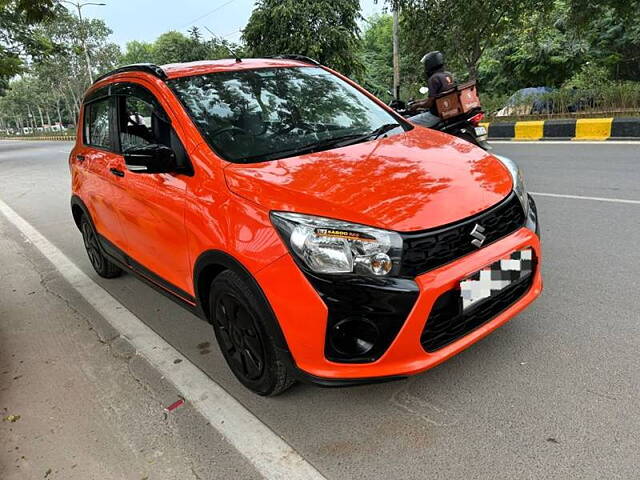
(375, 134)
(326, 144)
(310, 148)
(378, 132)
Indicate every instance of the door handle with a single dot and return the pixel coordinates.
(80, 158)
(116, 172)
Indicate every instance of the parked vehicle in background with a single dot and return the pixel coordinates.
(323, 236)
(545, 101)
(527, 101)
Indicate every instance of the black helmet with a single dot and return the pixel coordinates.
(432, 61)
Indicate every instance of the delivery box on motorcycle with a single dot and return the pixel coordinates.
(457, 101)
(468, 95)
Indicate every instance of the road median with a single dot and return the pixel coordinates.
(597, 129)
(62, 138)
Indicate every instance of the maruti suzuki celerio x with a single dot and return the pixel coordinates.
(323, 236)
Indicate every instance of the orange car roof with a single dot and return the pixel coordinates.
(176, 70)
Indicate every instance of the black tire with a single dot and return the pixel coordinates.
(101, 264)
(239, 325)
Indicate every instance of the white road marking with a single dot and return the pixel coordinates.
(578, 197)
(267, 452)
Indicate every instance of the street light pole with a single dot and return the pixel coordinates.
(396, 54)
(83, 37)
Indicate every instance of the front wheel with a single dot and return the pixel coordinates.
(239, 325)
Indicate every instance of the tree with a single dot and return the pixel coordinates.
(583, 12)
(137, 52)
(326, 30)
(64, 72)
(377, 55)
(463, 30)
(612, 31)
(17, 36)
(172, 47)
(540, 53)
(175, 47)
(556, 49)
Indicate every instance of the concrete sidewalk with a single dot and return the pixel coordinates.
(73, 407)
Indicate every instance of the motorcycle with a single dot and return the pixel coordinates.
(460, 114)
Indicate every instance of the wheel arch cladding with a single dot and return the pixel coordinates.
(78, 209)
(212, 263)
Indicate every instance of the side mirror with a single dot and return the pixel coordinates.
(424, 90)
(152, 158)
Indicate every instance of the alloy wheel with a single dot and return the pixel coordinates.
(239, 337)
(92, 247)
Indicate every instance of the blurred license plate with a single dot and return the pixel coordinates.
(481, 131)
(496, 277)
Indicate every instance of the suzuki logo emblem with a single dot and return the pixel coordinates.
(478, 237)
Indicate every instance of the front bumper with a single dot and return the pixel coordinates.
(302, 315)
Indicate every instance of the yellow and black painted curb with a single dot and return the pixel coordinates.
(622, 128)
(69, 138)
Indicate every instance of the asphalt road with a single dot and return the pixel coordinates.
(552, 394)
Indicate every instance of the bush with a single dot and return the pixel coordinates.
(590, 76)
(491, 103)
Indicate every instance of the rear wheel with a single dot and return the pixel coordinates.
(101, 264)
(238, 322)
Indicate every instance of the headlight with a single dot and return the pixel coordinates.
(518, 182)
(332, 246)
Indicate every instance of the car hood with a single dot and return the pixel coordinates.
(413, 181)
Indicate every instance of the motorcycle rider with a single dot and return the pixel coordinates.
(438, 81)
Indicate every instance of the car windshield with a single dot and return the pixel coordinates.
(264, 114)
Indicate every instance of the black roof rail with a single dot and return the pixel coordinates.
(154, 70)
(300, 58)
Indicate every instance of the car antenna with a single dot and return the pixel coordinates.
(237, 57)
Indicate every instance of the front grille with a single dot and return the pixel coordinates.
(426, 250)
(447, 323)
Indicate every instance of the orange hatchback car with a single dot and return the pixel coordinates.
(323, 236)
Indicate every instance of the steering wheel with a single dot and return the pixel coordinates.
(228, 129)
